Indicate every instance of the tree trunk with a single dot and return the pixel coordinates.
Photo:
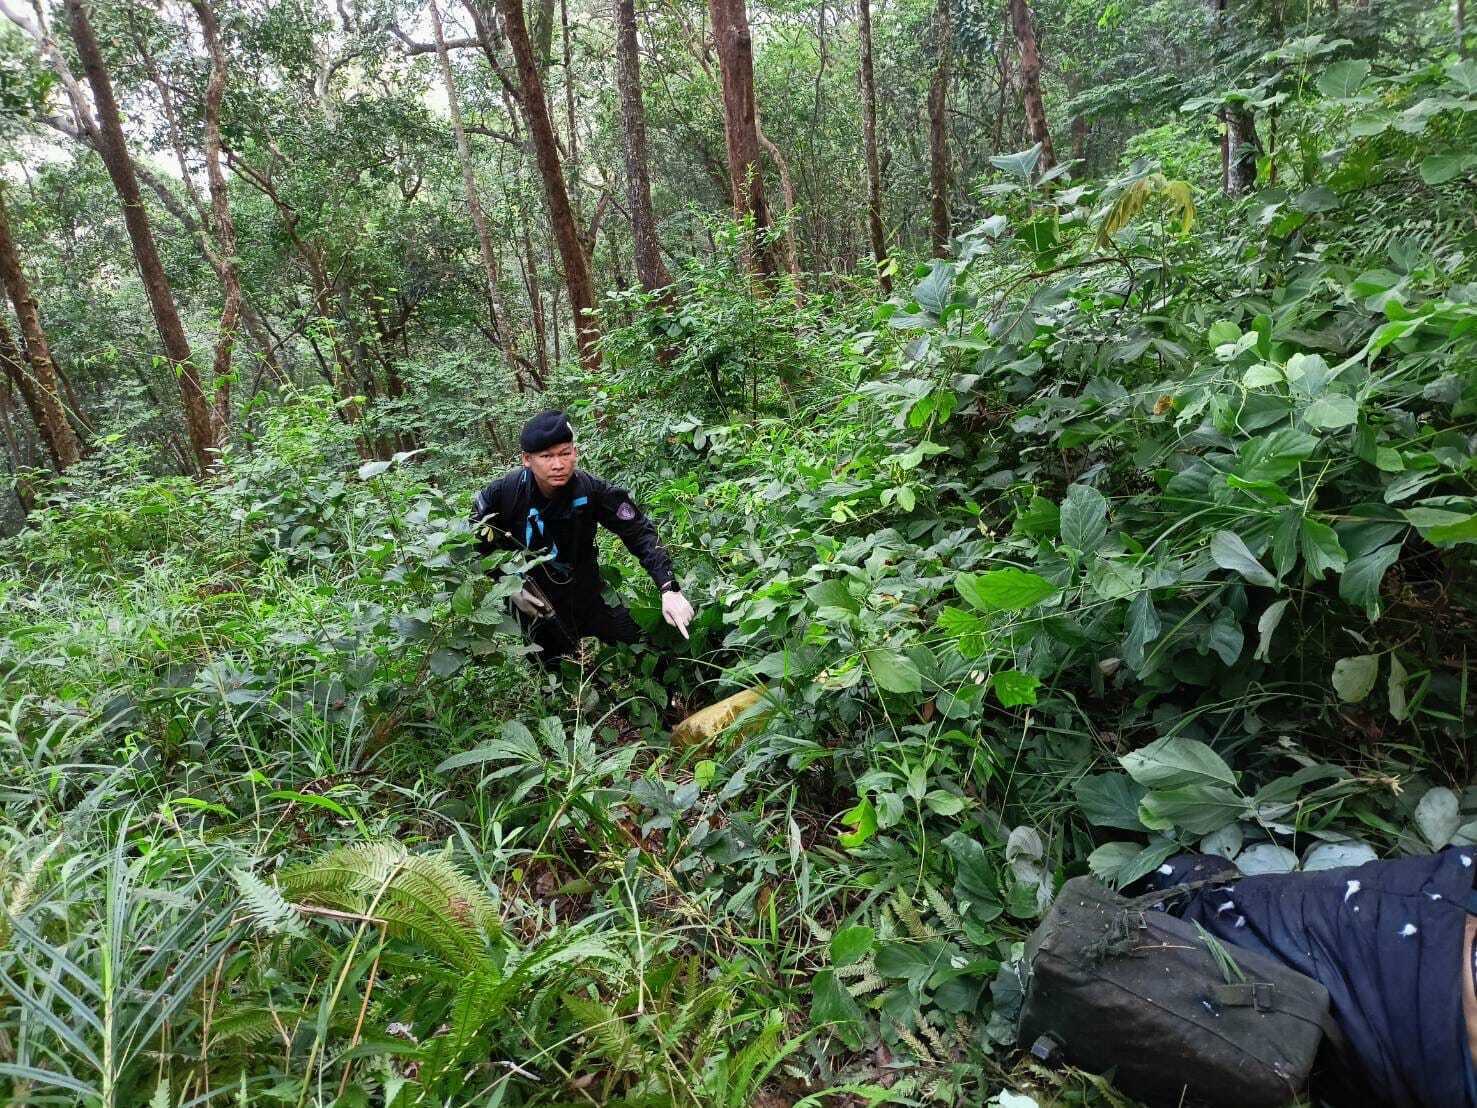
(938, 133)
(1030, 74)
(495, 309)
(577, 279)
(875, 230)
(651, 271)
(224, 229)
(787, 191)
(1241, 149)
(39, 386)
(199, 418)
(535, 290)
(543, 33)
(23, 494)
(735, 44)
(1459, 24)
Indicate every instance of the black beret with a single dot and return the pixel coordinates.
(545, 430)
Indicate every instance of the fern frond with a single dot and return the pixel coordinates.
(609, 1035)
(423, 898)
(917, 1046)
(868, 983)
(267, 908)
(942, 908)
(903, 905)
(821, 934)
(857, 969)
(749, 1067)
(247, 1025)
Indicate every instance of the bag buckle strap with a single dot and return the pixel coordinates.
(1258, 995)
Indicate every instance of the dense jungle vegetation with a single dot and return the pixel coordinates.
(1066, 412)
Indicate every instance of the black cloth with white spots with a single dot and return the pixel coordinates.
(1384, 938)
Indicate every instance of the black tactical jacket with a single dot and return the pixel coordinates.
(512, 514)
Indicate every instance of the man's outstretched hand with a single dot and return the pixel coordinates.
(677, 611)
(531, 604)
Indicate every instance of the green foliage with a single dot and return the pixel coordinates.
(1142, 522)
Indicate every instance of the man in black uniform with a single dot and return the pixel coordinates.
(550, 507)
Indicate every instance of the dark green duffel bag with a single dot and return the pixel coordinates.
(1180, 1017)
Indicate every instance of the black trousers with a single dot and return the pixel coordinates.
(575, 617)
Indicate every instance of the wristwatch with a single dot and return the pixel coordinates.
(672, 586)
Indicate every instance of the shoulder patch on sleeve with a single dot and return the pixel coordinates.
(626, 512)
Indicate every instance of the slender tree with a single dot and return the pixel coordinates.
(199, 418)
(1030, 78)
(730, 19)
(534, 102)
(938, 131)
(39, 387)
(651, 271)
(868, 81)
(223, 254)
(23, 495)
(495, 310)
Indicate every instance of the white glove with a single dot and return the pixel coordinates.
(677, 611)
(531, 603)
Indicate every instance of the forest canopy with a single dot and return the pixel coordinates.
(1061, 414)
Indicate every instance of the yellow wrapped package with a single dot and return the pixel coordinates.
(701, 727)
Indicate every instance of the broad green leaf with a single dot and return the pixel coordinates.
(1341, 80)
(1084, 518)
(1224, 637)
(1321, 548)
(1114, 579)
(1120, 863)
(974, 880)
(1266, 858)
(1175, 761)
(831, 1006)
(1331, 412)
(1014, 688)
(1360, 583)
(1395, 688)
(908, 960)
(1110, 800)
(1337, 855)
(1108, 860)
(1020, 165)
(1040, 519)
(1261, 375)
(1272, 456)
(1354, 677)
(849, 944)
(445, 662)
(1143, 628)
(1196, 809)
(1230, 552)
(1004, 590)
(1441, 527)
(933, 292)
(1462, 73)
(1437, 169)
(834, 597)
(862, 819)
(1266, 626)
(943, 803)
(893, 671)
(1222, 332)
(1438, 815)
